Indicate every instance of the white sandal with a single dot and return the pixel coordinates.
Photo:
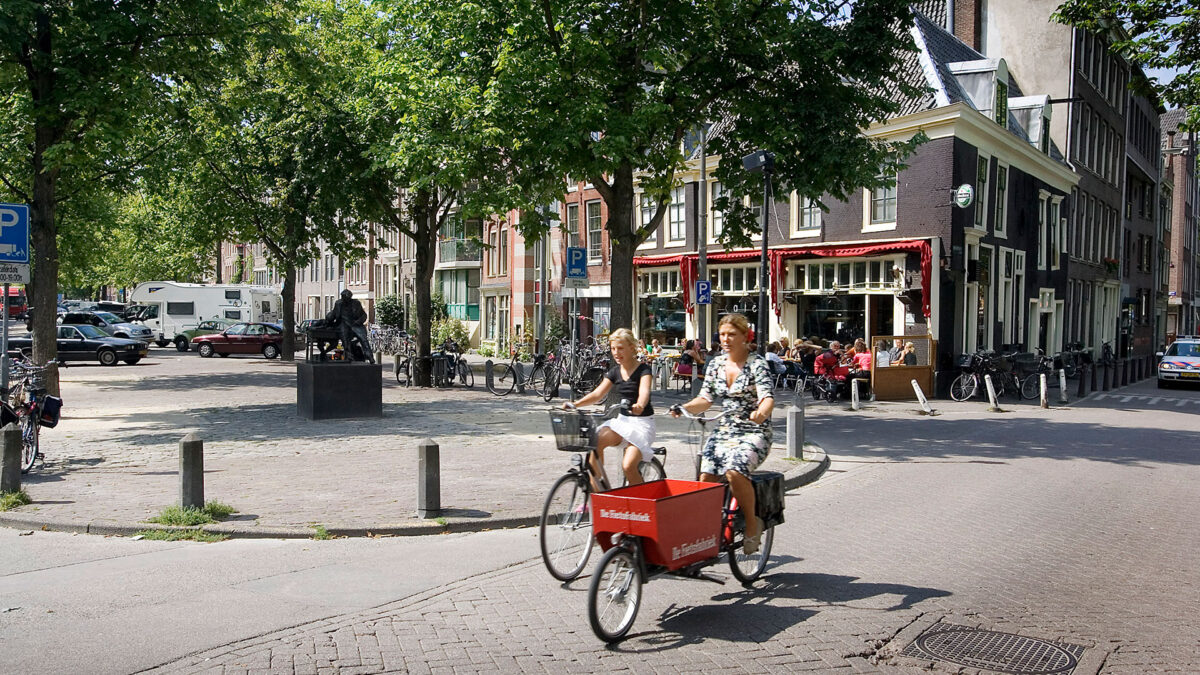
(750, 544)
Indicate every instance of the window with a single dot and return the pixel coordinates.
(808, 215)
(237, 329)
(503, 262)
(717, 218)
(981, 177)
(648, 207)
(593, 230)
(1001, 107)
(883, 204)
(571, 227)
(181, 309)
(1054, 232)
(1043, 240)
(492, 253)
(233, 294)
(676, 216)
(1001, 199)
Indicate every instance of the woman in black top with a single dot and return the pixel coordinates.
(633, 381)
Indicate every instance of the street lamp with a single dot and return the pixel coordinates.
(764, 162)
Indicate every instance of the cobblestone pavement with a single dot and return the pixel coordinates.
(114, 457)
(1075, 527)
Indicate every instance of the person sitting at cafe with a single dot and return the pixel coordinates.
(690, 358)
(655, 349)
(883, 357)
(908, 356)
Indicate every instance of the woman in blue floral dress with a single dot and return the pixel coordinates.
(742, 439)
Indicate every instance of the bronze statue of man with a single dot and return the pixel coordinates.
(350, 320)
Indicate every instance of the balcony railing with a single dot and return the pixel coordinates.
(459, 250)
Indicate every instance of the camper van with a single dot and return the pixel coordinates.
(174, 307)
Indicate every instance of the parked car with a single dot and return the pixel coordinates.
(109, 323)
(84, 342)
(1180, 363)
(61, 310)
(184, 339)
(242, 338)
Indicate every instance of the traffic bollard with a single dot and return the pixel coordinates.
(1045, 402)
(1062, 386)
(429, 479)
(795, 430)
(10, 465)
(1083, 375)
(854, 395)
(921, 397)
(993, 406)
(1107, 377)
(191, 472)
(1123, 367)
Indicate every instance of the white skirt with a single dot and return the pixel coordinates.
(637, 431)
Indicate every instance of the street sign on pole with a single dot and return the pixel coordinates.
(576, 262)
(703, 292)
(14, 234)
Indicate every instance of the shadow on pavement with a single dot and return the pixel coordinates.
(185, 383)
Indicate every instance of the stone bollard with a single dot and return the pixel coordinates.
(1094, 369)
(429, 480)
(191, 472)
(1124, 368)
(1045, 401)
(1107, 377)
(795, 430)
(1062, 386)
(854, 398)
(1083, 375)
(10, 464)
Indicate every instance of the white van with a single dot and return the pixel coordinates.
(174, 307)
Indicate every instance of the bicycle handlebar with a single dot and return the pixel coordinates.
(699, 418)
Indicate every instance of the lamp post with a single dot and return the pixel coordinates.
(764, 162)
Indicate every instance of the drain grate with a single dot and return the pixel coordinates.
(990, 650)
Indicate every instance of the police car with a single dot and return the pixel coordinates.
(1181, 362)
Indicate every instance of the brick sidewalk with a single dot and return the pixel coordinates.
(113, 460)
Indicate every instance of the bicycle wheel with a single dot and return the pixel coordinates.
(465, 375)
(404, 373)
(651, 471)
(28, 425)
(536, 377)
(614, 595)
(747, 568)
(1031, 387)
(963, 387)
(504, 380)
(551, 385)
(565, 529)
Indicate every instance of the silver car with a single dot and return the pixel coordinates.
(109, 323)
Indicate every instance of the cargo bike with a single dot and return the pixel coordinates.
(675, 527)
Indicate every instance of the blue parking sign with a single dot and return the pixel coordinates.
(703, 292)
(576, 262)
(14, 233)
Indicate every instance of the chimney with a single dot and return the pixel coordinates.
(967, 22)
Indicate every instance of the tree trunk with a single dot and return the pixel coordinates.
(624, 245)
(43, 228)
(289, 310)
(425, 221)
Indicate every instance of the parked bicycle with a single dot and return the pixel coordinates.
(565, 527)
(505, 376)
(975, 366)
(1031, 385)
(27, 404)
(456, 365)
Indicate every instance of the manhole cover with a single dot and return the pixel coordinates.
(989, 650)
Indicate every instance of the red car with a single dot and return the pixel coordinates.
(242, 338)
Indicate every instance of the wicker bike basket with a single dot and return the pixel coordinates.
(575, 430)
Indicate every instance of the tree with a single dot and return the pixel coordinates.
(1153, 34)
(611, 91)
(76, 78)
(420, 91)
(270, 148)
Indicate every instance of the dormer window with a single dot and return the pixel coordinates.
(1001, 106)
(1032, 114)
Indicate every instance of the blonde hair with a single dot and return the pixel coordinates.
(738, 321)
(624, 335)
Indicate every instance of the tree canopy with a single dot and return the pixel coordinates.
(1156, 34)
(610, 91)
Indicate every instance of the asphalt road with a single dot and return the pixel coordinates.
(1075, 525)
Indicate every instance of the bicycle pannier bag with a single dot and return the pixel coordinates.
(768, 496)
(51, 411)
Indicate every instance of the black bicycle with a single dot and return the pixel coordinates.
(565, 528)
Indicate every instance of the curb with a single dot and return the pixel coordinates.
(805, 472)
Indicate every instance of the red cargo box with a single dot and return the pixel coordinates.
(679, 520)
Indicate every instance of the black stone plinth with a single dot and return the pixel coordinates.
(339, 390)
